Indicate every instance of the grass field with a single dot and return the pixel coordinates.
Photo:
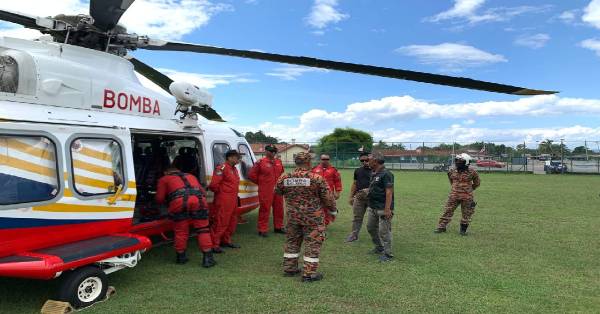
(534, 247)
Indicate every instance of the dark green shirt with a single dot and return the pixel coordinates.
(380, 181)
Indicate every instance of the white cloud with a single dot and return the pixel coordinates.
(461, 9)
(462, 134)
(451, 56)
(292, 72)
(535, 41)
(469, 11)
(569, 16)
(591, 44)
(591, 13)
(204, 81)
(324, 13)
(23, 33)
(166, 19)
(375, 115)
(207, 81)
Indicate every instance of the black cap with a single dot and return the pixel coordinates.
(231, 152)
(271, 148)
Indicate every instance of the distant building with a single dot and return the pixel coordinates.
(286, 152)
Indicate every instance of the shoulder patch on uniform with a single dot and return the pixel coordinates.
(294, 182)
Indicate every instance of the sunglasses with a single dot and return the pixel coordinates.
(364, 160)
(325, 159)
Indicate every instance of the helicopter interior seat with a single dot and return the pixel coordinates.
(151, 172)
(187, 160)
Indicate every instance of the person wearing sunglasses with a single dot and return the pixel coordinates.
(358, 195)
(334, 181)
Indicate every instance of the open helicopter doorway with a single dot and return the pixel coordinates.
(152, 155)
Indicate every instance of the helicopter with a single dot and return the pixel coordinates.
(83, 143)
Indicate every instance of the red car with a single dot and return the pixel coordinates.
(489, 163)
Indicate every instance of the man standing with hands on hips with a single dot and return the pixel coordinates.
(381, 207)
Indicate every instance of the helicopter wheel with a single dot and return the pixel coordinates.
(83, 286)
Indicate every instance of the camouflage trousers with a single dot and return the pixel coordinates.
(359, 208)
(313, 237)
(467, 207)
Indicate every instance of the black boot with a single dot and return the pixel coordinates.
(312, 278)
(463, 229)
(439, 230)
(208, 260)
(181, 258)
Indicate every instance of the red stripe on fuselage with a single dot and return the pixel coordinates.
(18, 240)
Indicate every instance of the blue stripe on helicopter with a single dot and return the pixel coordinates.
(12, 223)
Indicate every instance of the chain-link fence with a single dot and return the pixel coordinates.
(540, 157)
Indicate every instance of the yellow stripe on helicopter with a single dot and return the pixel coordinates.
(29, 149)
(122, 197)
(86, 151)
(92, 168)
(73, 208)
(27, 166)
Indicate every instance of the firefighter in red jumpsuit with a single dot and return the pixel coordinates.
(225, 184)
(265, 173)
(187, 207)
(334, 181)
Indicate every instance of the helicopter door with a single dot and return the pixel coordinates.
(152, 155)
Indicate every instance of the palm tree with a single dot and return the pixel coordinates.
(546, 146)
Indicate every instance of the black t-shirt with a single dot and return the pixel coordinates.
(362, 176)
(380, 181)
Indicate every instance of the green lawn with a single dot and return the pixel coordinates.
(534, 247)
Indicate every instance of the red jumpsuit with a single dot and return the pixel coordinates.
(334, 181)
(265, 173)
(225, 184)
(174, 188)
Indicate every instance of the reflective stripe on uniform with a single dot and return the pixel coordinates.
(291, 255)
(311, 259)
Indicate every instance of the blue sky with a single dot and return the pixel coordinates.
(539, 44)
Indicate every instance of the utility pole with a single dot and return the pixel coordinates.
(562, 153)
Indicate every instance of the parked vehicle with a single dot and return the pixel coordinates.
(555, 166)
(490, 163)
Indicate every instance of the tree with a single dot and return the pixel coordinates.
(260, 137)
(580, 150)
(345, 141)
(383, 145)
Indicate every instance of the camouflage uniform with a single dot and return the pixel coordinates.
(306, 195)
(463, 184)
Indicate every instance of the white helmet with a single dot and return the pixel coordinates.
(464, 157)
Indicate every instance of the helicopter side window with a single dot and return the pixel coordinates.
(9, 75)
(97, 166)
(28, 169)
(246, 162)
(219, 150)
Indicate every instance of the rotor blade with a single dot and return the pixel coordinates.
(107, 13)
(21, 19)
(209, 113)
(351, 67)
(164, 82)
(151, 73)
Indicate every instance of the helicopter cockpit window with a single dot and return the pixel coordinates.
(97, 166)
(28, 169)
(9, 75)
(246, 161)
(219, 150)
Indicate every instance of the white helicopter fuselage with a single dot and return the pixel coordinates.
(81, 140)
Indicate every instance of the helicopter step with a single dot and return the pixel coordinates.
(50, 262)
